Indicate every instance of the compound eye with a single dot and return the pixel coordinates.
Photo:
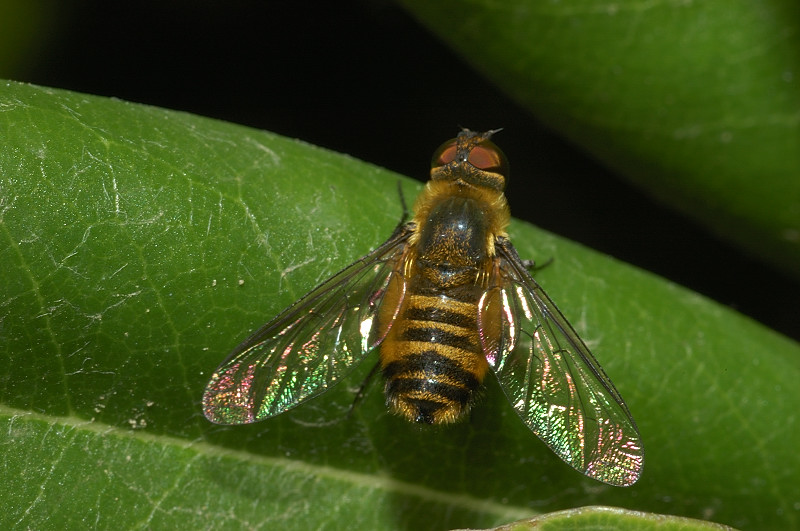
(445, 154)
(487, 157)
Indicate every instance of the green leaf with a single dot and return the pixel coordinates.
(696, 102)
(139, 246)
(609, 518)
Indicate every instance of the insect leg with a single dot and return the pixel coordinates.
(528, 264)
(363, 388)
(533, 268)
(404, 217)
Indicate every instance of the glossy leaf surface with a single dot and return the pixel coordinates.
(139, 246)
(696, 102)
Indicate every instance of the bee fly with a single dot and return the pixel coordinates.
(447, 299)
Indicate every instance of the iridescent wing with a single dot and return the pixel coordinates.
(311, 345)
(551, 378)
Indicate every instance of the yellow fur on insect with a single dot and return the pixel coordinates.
(432, 356)
(495, 203)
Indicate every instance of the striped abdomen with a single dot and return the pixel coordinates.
(432, 360)
(432, 357)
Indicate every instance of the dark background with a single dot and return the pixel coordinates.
(363, 78)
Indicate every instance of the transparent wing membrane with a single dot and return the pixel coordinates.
(553, 381)
(309, 347)
(431, 361)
